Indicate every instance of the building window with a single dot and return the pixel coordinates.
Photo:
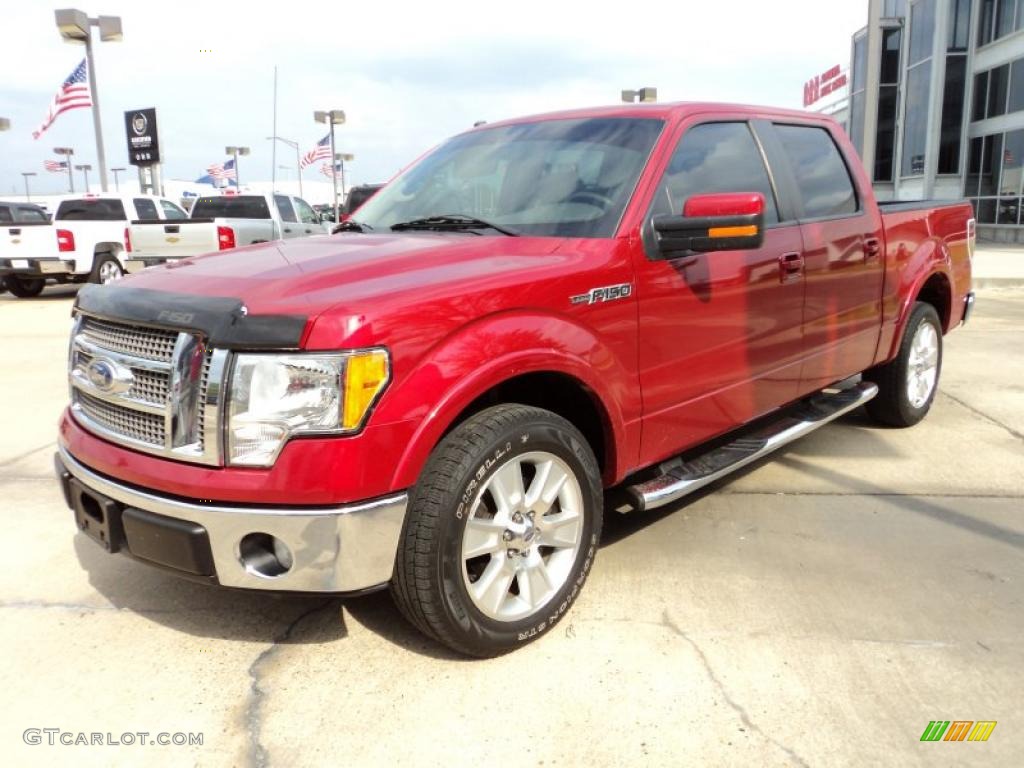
(998, 87)
(893, 9)
(1016, 86)
(952, 114)
(888, 99)
(997, 19)
(922, 30)
(858, 77)
(959, 24)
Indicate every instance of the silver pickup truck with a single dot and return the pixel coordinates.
(220, 222)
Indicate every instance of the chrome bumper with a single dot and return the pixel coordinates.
(36, 267)
(340, 549)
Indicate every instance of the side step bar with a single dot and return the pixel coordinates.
(688, 476)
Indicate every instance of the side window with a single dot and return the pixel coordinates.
(712, 158)
(31, 214)
(284, 207)
(5, 213)
(171, 211)
(145, 208)
(822, 178)
(306, 215)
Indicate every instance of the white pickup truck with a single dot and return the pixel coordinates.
(219, 222)
(27, 244)
(87, 241)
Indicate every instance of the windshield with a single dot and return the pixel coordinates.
(557, 178)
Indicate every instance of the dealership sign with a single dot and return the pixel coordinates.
(143, 144)
(822, 85)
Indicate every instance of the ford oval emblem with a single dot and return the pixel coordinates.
(109, 377)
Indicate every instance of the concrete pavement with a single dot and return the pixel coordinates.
(819, 609)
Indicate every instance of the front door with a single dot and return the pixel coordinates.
(720, 336)
(290, 226)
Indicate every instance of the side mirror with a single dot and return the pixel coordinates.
(722, 222)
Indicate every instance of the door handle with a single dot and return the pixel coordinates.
(791, 267)
(286, 229)
(872, 248)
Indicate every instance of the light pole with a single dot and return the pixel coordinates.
(115, 171)
(235, 152)
(342, 157)
(298, 160)
(641, 94)
(67, 153)
(85, 168)
(26, 174)
(76, 27)
(332, 117)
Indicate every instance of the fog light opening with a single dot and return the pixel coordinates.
(265, 555)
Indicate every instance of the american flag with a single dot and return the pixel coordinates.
(322, 151)
(326, 170)
(73, 94)
(220, 171)
(55, 166)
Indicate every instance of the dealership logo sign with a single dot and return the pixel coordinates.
(820, 86)
(139, 124)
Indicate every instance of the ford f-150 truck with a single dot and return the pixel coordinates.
(621, 303)
(220, 222)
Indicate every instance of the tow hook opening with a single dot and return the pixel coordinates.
(265, 555)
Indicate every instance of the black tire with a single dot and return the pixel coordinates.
(98, 267)
(892, 406)
(429, 585)
(25, 287)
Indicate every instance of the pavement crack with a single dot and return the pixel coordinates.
(25, 455)
(667, 622)
(984, 416)
(258, 755)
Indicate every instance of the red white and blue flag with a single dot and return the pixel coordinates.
(322, 151)
(55, 166)
(221, 171)
(326, 170)
(73, 94)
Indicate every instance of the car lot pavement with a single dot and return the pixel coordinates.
(819, 609)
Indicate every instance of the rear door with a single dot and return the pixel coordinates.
(843, 262)
(720, 333)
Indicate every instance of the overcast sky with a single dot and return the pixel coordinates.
(407, 74)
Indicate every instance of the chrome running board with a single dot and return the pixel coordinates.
(681, 478)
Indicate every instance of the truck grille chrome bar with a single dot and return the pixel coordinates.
(150, 389)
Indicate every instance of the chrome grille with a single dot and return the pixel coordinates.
(148, 343)
(144, 427)
(151, 389)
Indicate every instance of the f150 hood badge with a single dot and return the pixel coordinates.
(608, 293)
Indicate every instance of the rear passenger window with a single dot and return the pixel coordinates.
(146, 209)
(712, 158)
(172, 212)
(284, 207)
(822, 177)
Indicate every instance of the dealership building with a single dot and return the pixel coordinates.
(936, 105)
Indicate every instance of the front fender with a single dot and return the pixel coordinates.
(480, 356)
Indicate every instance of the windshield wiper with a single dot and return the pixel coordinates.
(350, 225)
(451, 221)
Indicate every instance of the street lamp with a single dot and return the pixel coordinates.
(115, 171)
(26, 174)
(641, 94)
(298, 161)
(235, 152)
(85, 168)
(342, 157)
(332, 117)
(66, 153)
(76, 27)
(5, 124)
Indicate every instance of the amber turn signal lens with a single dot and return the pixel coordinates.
(748, 231)
(366, 375)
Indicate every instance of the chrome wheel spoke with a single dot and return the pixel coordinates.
(560, 530)
(506, 488)
(535, 582)
(491, 589)
(545, 487)
(922, 365)
(482, 537)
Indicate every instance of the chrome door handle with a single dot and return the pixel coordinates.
(791, 267)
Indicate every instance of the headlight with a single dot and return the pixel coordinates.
(276, 397)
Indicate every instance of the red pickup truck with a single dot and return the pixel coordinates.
(622, 303)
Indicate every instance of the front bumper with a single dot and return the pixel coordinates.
(46, 267)
(349, 548)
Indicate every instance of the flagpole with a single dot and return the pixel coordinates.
(273, 149)
(101, 157)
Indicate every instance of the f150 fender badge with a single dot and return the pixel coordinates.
(600, 295)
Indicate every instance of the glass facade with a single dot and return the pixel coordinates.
(999, 91)
(919, 81)
(998, 19)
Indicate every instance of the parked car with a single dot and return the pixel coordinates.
(25, 237)
(87, 241)
(633, 300)
(359, 195)
(222, 222)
